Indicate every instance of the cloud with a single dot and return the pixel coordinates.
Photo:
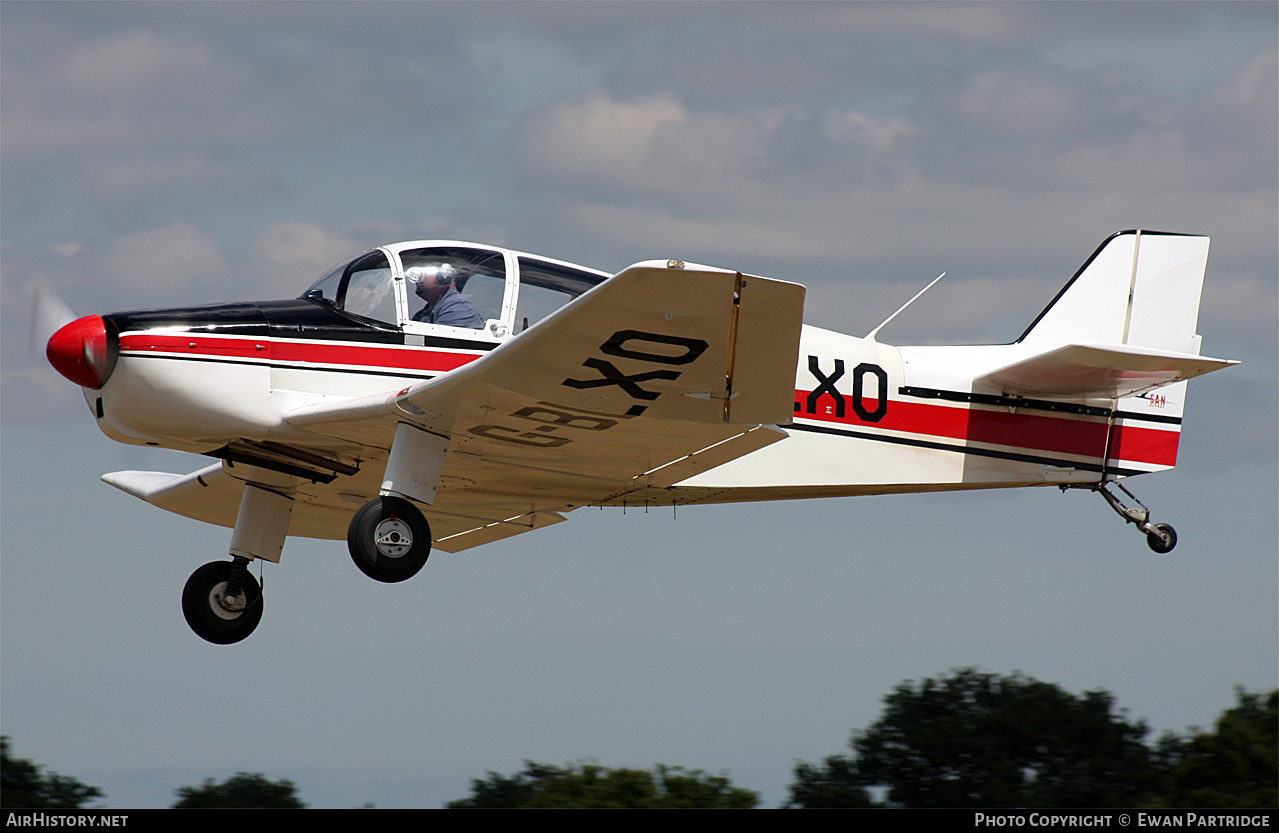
(132, 180)
(657, 147)
(286, 256)
(597, 142)
(1232, 133)
(1008, 161)
(132, 92)
(1017, 104)
(171, 264)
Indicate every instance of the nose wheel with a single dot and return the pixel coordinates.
(222, 602)
(389, 539)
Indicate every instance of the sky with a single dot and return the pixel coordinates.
(164, 154)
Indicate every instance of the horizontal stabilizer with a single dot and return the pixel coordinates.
(1097, 371)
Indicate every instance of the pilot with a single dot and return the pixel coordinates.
(444, 304)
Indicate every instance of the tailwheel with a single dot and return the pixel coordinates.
(222, 602)
(1161, 538)
(389, 539)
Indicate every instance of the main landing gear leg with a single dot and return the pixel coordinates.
(1160, 537)
(222, 602)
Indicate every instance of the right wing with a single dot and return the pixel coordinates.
(657, 374)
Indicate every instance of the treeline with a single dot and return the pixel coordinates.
(977, 740)
(967, 740)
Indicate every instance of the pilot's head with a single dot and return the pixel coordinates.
(431, 282)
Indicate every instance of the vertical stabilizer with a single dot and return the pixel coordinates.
(1140, 288)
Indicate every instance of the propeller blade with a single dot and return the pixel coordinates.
(48, 315)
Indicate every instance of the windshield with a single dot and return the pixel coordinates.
(361, 287)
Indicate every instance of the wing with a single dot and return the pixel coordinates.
(657, 374)
(213, 494)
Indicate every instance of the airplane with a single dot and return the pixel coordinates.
(343, 414)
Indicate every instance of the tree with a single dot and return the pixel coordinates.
(1234, 767)
(834, 785)
(24, 787)
(240, 791)
(981, 740)
(591, 786)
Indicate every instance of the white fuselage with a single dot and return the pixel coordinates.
(869, 417)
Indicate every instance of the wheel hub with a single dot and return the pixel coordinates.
(224, 606)
(393, 538)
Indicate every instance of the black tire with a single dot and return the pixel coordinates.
(1162, 543)
(211, 620)
(389, 539)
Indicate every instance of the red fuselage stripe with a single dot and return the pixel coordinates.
(1082, 436)
(1144, 445)
(282, 350)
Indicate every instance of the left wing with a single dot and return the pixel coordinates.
(659, 373)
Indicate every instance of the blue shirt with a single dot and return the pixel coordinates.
(453, 309)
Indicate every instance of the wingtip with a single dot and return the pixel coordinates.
(140, 484)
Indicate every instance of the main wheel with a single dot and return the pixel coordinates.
(215, 616)
(389, 539)
(1163, 539)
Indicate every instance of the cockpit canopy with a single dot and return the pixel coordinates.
(391, 286)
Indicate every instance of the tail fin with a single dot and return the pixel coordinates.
(1123, 330)
(1140, 288)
